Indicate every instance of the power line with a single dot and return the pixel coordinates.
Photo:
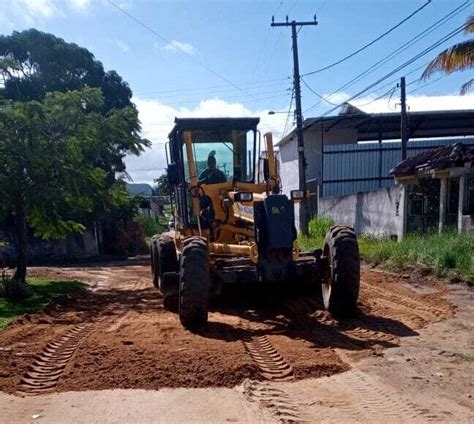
(259, 55)
(428, 83)
(337, 62)
(168, 95)
(403, 47)
(390, 56)
(316, 93)
(388, 92)
(256, 97)
(248, 86)
(409, 43)
(178, 47)
(289, 113)
(443, 39)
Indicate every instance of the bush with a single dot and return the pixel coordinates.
(448, 254)
(149, 225)
(317, 229)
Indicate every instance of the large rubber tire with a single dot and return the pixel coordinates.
(167, 259)
(154, 260)
(342, 250)
(194, 283)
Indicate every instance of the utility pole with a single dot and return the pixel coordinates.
(403, 118)
(304, 206)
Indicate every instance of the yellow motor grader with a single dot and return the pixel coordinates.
(233, 225)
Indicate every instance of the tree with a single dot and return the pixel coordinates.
(162, 186)
(34, 64)
(459, 57)
(48, 178)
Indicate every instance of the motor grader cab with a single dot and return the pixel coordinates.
(234, 226)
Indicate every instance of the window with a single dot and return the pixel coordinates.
(222, 156)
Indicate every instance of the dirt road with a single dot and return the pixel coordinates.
(265, 359)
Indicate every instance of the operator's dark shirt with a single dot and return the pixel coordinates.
(212, 176)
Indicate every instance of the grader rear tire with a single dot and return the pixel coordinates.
(154, 261)
(342, 249)
(167, 262)
(194, 284)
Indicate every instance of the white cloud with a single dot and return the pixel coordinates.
(124, 48)
(158, 119)
(415, 103)
(29, 12)
(39, 8)
(175, 46)
(338, 97)
(79, 4)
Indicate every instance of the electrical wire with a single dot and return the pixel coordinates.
(439, 42)
(270, 88)
(428, 83)
(165, 40)
(248, 86)
(316, 93)
(389, 92)
(337, 62)
(403, 47)
(289, 113)
(424, 52)
(259, 55)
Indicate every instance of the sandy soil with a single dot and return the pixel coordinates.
(118, 336)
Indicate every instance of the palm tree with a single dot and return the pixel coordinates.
(459, 57)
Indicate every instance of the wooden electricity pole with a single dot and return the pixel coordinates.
(403, 118)
(304, 206)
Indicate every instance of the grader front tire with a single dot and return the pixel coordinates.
(342, 250)
(194, 284)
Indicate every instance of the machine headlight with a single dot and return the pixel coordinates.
(243, 196)
(297, 194)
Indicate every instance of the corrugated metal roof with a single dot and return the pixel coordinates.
(440, 158)
(448, 123)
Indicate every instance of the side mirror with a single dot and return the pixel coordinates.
(173, 173)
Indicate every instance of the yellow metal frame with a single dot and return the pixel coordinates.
(232, 239)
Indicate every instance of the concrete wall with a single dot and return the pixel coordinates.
(77, 246)
(369, 212)
(313, 141)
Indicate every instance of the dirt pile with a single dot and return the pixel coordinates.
(135, 343)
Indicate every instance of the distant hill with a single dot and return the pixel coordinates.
(137, 189)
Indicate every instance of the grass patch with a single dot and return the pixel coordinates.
(43, 291)
(317, 229)
(448, 254)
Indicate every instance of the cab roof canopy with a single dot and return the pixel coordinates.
(189, 124)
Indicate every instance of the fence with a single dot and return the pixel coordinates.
(351, 168)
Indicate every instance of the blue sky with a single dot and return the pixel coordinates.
(230, 41)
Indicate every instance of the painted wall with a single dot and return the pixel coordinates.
(370, 212)
(314, 140)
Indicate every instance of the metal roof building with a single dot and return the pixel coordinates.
(354, 151)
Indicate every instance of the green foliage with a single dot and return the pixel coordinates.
(149, 225)
(42, 292)
(448, 254)
(45, 152)
(162, 186)
(317, 228)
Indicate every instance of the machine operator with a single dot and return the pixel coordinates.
(212, 175)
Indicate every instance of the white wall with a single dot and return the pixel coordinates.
(369, 212)
(313, 140)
